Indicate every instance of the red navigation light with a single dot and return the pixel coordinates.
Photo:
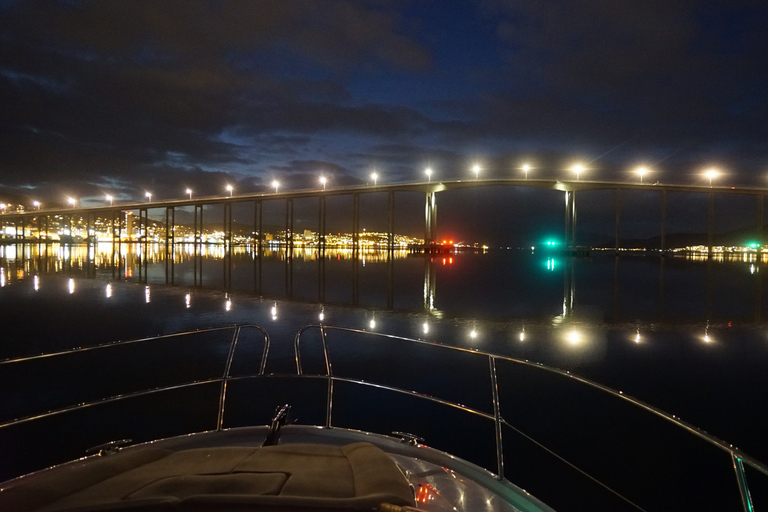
(425, 493)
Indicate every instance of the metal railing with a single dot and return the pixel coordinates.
(222, 380)
(738, 458)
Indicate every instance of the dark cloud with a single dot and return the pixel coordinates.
(128, 96)
(111, 87)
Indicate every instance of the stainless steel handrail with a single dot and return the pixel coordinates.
(225, 377)
(115, 343)
(738, 457)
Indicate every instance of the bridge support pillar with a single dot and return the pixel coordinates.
(289, 222)
(430, 218)
(170, 225)
(355, 222)
(618, 218)
(143, 224)
(663, 243)
(760, 201)
(710, 223)
(198, 235)
(257, 224)
(570, 219)
(228, 223)
(391, 220)
(321, 221)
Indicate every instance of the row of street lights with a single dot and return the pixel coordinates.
(578, 169)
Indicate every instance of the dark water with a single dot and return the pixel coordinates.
(685, 335)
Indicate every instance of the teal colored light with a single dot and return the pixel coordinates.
(753, 245)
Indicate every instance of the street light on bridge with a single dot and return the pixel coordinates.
(476, 170)
(275, 184)
(429, 173)
(229, 189)
(72, 201)
(149, 196)
(375, 177)
(323, 181)
(108, 198)
(526, 168)
(642, 171)
(711, 174)
(189, 191)
(36, 204)
(578, 169)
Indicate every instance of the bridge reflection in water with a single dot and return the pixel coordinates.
(623, 288)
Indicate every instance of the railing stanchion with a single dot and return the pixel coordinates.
(497, 419)
(329, 376)
(225, 377)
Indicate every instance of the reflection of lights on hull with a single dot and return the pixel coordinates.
(71, 285)
(108, 290)
(188, 300)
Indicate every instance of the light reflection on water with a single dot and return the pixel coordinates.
(685, 334)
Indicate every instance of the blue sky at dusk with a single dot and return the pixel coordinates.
(120, 97)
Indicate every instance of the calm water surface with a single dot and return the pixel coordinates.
(685, 335)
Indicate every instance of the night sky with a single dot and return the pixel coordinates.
(123, 97)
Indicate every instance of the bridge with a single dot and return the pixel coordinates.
(25, 224)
